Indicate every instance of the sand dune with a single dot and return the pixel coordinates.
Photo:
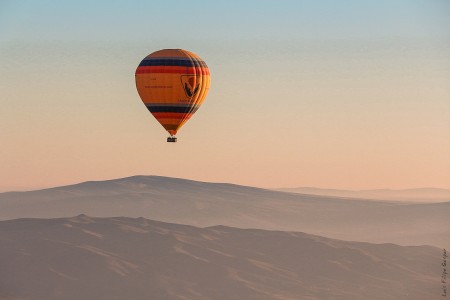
(208, 204)
(123, 258)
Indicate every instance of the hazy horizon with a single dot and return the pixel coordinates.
(207, 204)
(280, 188)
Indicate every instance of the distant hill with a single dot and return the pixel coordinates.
(208, 204)
(123, 258)
(416, 195)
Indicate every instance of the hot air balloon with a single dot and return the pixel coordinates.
(172, 83)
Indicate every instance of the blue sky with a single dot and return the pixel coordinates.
(228, 20)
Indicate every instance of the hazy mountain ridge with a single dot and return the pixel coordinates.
(416, 195)
(208, 204)
(123, 258)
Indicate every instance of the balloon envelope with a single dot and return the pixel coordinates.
(172, 83)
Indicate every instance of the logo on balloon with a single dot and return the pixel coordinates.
(191, 84)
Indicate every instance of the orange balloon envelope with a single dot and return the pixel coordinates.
(172, 83)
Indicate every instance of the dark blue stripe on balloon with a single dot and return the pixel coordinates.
(172, 62)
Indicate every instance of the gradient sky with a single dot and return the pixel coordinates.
(335, 94)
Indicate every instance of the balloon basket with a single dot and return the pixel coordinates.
(171, 139)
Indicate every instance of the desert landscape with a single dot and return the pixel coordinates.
(156, 237)
(135, 258)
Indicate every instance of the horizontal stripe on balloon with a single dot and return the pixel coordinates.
(172, 69)
(172, 109)
(168, 104)
(171, 116)
(181, 62)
